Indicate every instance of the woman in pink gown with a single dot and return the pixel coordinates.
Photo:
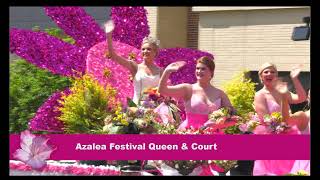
(200, 98)
(268, 100)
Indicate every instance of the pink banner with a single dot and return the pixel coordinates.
(174, 147)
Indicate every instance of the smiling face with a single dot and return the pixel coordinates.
(269, 76)
(203, 72)
(149, 51)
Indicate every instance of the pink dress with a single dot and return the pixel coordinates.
(302, 164)
(197, 112)
(272, 167)
(196, 116)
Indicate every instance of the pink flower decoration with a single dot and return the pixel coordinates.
(78, 24)
(243, 127)
(215, 167)
(163, 111)
(34, 150)
(59, 57)
(131, 25)
(98, 64)
(46, 117)
(261, 129)
(62, 169)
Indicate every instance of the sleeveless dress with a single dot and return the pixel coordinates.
(197, 112)
(302, 164)
(196, 116)
(272, 167)
(143, 81)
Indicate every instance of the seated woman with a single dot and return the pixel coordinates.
(200, 98)
(300, 118)
(268, 100)
(146, 74)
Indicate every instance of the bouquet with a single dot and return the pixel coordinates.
(131, 120)
(165, 107)
(274, 124)
(220, 121)
(180, 167)
(223, 166)
(197, 167)
(245, 125)
(153, 114)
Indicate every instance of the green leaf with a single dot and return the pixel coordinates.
(29, 88)
(130, 103)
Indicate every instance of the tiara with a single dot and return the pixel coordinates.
(152, 40)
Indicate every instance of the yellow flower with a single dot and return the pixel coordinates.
(302, 173)
(124, 122)
(277, 115)
(119, 116)
(106, 73)
(132, 56)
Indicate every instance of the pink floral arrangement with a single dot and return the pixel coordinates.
(274, 124)
(65, 169)
(219, 121)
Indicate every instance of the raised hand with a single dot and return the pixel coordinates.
(282, 87)
(295, 72)
(174, 67)
(109, 26)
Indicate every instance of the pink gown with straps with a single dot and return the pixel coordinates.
(272, 167)
(197, 113)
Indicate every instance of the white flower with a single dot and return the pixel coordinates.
(267, 120)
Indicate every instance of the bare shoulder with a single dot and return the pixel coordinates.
(260, 94)
(220, 92)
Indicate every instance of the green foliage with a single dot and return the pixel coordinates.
(56, 32)
(232, 130)
(241, 91)
(29, 87)
(85, 110)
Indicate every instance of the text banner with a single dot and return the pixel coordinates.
(174, 147)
